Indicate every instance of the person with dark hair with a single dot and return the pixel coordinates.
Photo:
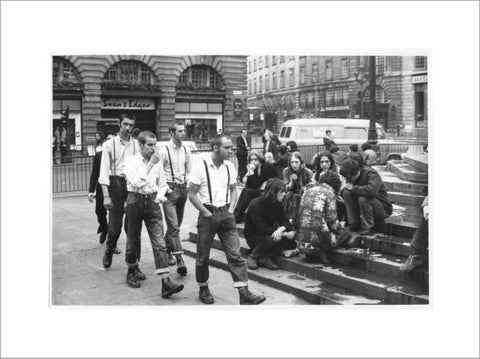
(114, 186)
(295, 177)
(292, 146)
(267, 228)
(356, 156)
(95, 191)
(318, 223)
(135, 132)
(146, 187)
(366, 146)
(176, 161)
(270, 145)
(213, 193)
(258, 172)
(328, 140)
(353, 148)
(282, 162)
(365, 197)
(242, 153)
(338, 154)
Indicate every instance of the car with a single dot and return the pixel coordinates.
(309, 133)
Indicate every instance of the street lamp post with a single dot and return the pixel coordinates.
(315, 78)
(361, 76)
(372, 131)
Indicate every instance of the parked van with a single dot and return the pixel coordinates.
(309, 134)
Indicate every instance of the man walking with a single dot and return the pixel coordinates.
(146, 189)
(213, 192)
(328, 140)
(175, 160)
(112, 179)
(242, 153)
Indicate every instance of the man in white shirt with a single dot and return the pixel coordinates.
(112, 179)
(146, 187)
(213, 192)
(175, 159)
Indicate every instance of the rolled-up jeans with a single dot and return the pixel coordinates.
(173, 209)
(140, 208)
(222, 223)
(419, 242)
(363, 209)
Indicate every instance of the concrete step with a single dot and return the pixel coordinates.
(407, 172)
(402, 198)
(311, 290)
(395, 184)
(420, 162)
(397, 246)
(360, 276)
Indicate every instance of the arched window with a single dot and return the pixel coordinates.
(200, 77)
(64, 73)
(128, 74)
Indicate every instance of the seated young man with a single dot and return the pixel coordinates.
(365, 197)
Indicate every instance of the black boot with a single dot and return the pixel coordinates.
(132, 279)
(107, 258)
(205, 296)
(169, 288)
(181, 267)
(248, 298)
(139, 274)
(170, 260)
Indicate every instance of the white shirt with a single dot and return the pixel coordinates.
(218, 181)
(115, 167)
(181, 162)
(137, 178)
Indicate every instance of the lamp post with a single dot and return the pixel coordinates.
(315, 79)
(372, 131)
(361, 76)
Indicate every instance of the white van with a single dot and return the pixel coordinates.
(309, 134)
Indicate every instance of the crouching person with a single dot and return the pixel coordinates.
(319, 228)
(146, 185)
(267, 228)
(365, 197)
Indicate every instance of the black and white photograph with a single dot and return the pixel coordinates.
(219, 176)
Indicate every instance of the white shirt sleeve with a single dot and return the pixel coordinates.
(233, 173)
(105, 164)
(197, 173)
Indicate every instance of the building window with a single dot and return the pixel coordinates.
(64, 72)
(267, 83)
(267, 61)
(200, 76)
(255, 86)
(380, 64)
(129, 72)
(282, 79)
(420, 62)
(336, 97)
(302, 75)
(274, 81)
(254, 64)
(314, 72)
(328, 70)
(260, 62)
(419, 106)
(291, 58)
(344, 67)
(292, 78)
(282, 59)
(249, 87)
(274, 60)
(249, 66)
(260, 84)
(379, 95)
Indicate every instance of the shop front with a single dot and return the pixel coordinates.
(144, 110)
(67, 125)
(202, 119)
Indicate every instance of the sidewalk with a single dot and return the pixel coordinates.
(79, 278)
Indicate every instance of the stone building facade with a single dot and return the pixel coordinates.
(89, 93)
(286, 87)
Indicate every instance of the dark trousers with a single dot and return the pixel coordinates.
(118, 194)
(223, 224)
(363, 210)
(143, 208)
(245, 197)
(100, 210)
(419, 242)
(173, 209)
(242, 166)
(262, 245)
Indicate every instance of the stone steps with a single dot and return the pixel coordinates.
(393, 183)
(407, 172)
(311, 290)
(419, 162)
(375, 276)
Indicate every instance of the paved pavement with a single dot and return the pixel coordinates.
(78, 276)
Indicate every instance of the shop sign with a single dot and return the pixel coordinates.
(237, 108)
(236, 92)
(337, 108)
(419, 79)
(128, 104)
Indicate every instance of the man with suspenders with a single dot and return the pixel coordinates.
(175, 159)
(112, 179)
(213, 192)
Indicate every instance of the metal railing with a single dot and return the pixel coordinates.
(72, 173)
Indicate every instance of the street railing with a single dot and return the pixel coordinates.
(72, 173)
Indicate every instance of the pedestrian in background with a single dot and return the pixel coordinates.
(146, 187)
(213, 192)
(270, 145)
(135, 132)
(292, 146)
(176, 161)
(282, 161)
(328, 140)
(112, 179)
(241, 153)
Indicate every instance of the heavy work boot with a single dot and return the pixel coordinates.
(181, 267)
(248, 298)
(169, 287)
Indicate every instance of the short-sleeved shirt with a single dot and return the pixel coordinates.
(114, 153)
(181, 163)
(218, 181)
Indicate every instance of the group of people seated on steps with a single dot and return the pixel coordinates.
(288, 208)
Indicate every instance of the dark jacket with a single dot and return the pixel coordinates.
(267, 171)
(242, 150)
(272, 147)
(328, 143)
(282, 163)
(369, 184)
(95, 171)
(264, 217)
